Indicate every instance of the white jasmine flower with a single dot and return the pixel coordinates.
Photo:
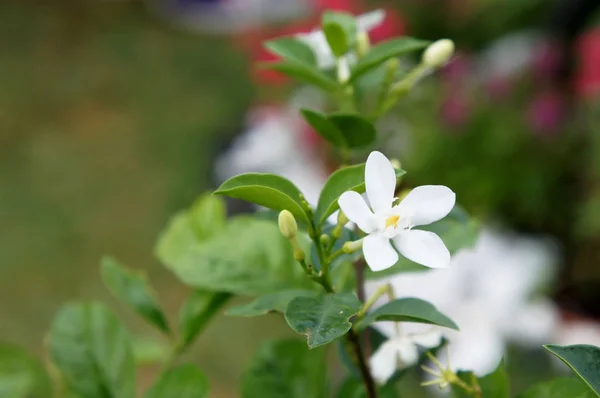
(384, 222)
(318, 43)
(399, 352)
(490, 291)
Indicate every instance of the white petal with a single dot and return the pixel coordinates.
(426, 204)
(379, 253)
(429, 339)
(408, 352)
(423, 247)
(380, 179)
(384, 361)
(370, 20)
(357, 211)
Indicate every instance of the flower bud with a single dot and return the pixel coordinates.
(342, 219)
(395, 164)
(287, 225)
(363, 44)
(438, 53)
(351, 247)
(343, 70)
(325, 240)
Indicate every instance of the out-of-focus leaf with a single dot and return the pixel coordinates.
(21, 374)
(93, 351)
(197, 311)
(276, 302)
(133, 288)
(562, 387)
(293, 49)
(286, 369)
(184, 381)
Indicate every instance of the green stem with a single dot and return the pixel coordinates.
(385, 289)
(353, 338)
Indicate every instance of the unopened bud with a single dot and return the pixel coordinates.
(363, 44)
(351, 247)
(287, 225)
(341, 218)
(343, 70)
(438, 53)
(325, 240)
(299, 254)
(395, 164)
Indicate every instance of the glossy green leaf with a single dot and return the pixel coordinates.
(495, 384)
(286, 369)
(358, 132)
(584, 361)
(276, 302)
(457, 230)
(197, 311)
(249, 257)
(408, 310)
(564, 387)
(383, 51)
(268, 190)
(204, 219)
(324, 318)
(184, 381)
(293, 49)
(354, 388)
(93, 351)
(340, 31)
(325, 128)
(21, 374)
(345, 179)
(303, 73)
(133, 288)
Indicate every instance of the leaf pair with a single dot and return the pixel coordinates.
(344, 131)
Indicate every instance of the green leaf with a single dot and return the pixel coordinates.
(324, 318)
(584, 361)
(340, 31)
(303, 73)
(21, 374)
(184, 381)
(196, 312)
(267, 190)
(133, 288)
(204, 219)
(93, 351)
(345, 179)
(286, 369)
(354, 388)
(325, 128)
(250, 258)
(495, 384)
(276, 302)
(357, 131)
(383, 51)
(564, 387)
(408, 310)
(457, 230)
(150, 351)
(292, 49)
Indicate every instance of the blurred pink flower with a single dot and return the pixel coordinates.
(587, 79)
(547, 59)
(499, 88)
(545, 113)
(458, 69)
(455, 110)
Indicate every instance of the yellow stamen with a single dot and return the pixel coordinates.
(392, 221)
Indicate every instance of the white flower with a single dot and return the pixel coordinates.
(318, 43)
(490, 292)
(399, 352)
(383, 221)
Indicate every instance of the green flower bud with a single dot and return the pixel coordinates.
(363, 44)
(351, 247)
(325, 240)
(396, 164)
(438, 53)
(287, 225)
(342, 219)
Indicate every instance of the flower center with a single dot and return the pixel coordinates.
(392, 221)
